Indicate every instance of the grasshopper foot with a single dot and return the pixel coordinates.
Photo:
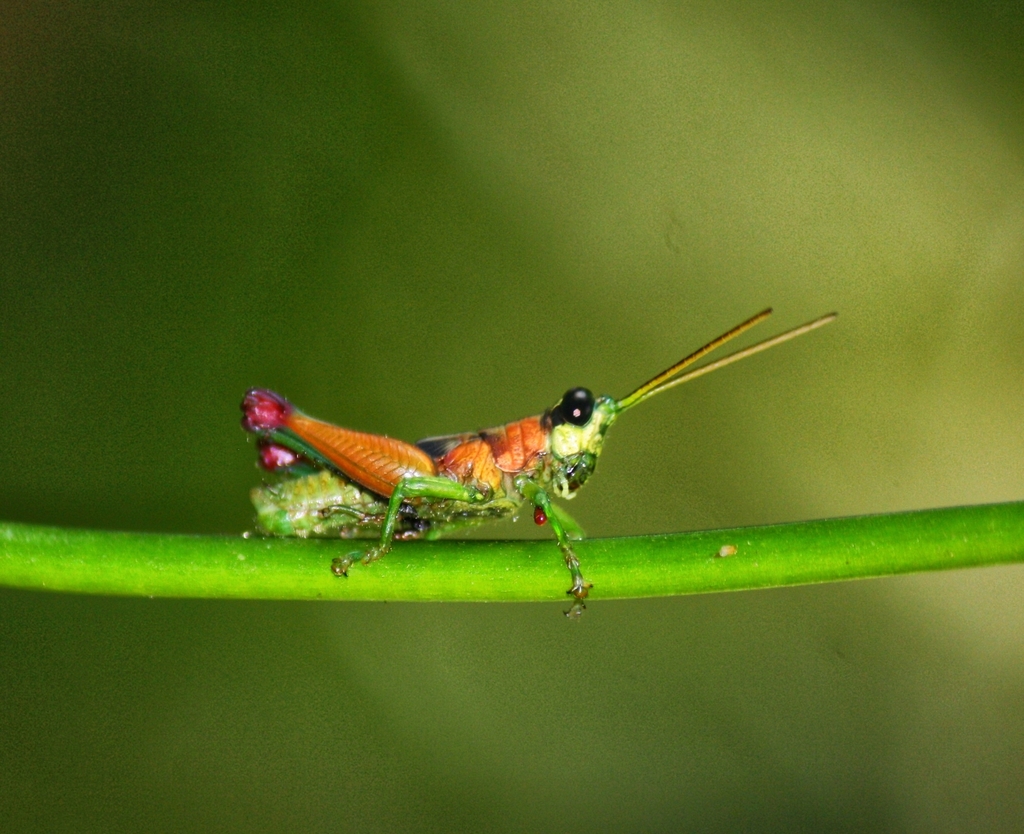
(580, 587)
(340, 566)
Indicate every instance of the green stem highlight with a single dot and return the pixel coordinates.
(174, 565)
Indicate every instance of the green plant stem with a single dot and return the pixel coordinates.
(149, 564)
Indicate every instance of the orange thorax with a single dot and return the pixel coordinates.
(506, 450)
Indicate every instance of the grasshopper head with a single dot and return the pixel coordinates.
(578, 425)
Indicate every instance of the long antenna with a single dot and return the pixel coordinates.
(668, 379)
(650, 387)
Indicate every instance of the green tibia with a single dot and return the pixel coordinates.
(425, 487)
(429, 487)
(288, 439)
(569, 524)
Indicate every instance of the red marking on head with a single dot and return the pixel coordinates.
(264, 410)
(273, 456)
(539, 516)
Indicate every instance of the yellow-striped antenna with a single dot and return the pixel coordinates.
(669, 379)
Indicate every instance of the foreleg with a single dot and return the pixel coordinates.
(560, 521)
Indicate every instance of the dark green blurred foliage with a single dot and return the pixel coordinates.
(420, 220)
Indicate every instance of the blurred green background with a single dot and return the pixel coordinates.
(430, 219)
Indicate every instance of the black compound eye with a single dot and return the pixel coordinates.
(576, 407)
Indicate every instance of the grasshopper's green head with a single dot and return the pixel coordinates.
(578, 423)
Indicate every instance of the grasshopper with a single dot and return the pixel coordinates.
(349, 484)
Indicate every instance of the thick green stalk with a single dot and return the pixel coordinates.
(86, 561)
